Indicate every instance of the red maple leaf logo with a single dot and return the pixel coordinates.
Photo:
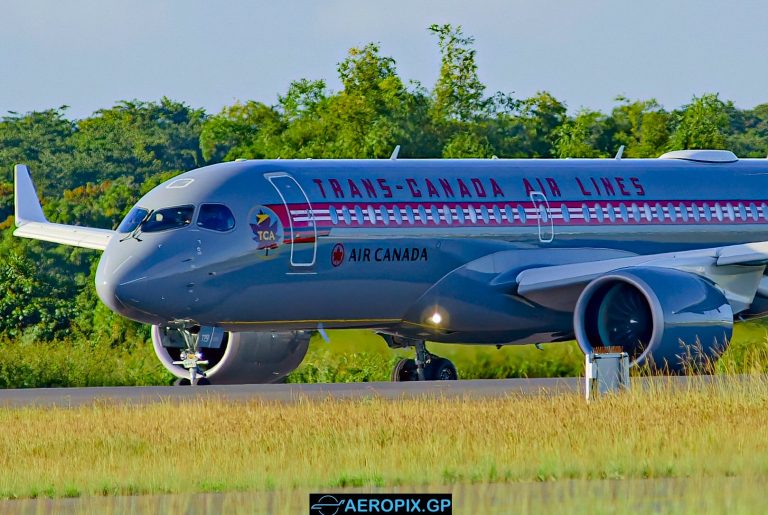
(337, 254)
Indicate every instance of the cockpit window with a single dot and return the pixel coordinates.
(216, 217)
(132, 220)
(168, 218)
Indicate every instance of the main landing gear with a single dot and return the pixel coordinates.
(426, 366)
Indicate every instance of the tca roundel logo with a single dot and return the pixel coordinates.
(337, 254)
(266, 227)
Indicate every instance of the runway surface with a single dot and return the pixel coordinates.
(489, 388)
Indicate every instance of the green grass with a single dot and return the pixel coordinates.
(64, 364)
(351, 356)
(361, 356)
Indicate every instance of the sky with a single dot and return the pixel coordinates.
(89, 54)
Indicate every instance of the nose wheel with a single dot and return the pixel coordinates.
(192, 360)
(425, 367)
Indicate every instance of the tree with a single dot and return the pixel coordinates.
(235, 132)
(41, 139)
(458, 93)
(641, 126)
(138, 139)
(540, 116)
(748, 133)
(467, 144)
(583, 136)
(31, 299)
(701, 124)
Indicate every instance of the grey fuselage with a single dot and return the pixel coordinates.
(386, 244)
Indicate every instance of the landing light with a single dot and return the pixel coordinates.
(436, 318)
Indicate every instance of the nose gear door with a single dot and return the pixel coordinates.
(543, 216)
(301, 219)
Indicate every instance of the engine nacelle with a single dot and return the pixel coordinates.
(670, 319)
(242, 358)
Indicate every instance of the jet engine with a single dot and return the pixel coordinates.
(238, 358)
(674, 321)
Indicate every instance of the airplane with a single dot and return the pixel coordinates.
(236, 265)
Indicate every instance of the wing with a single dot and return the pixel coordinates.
(737, 269)
(31, 222)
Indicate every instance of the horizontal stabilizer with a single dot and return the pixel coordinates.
(31, 221)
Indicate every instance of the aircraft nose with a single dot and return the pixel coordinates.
(120, 285)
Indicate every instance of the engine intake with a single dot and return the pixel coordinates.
(242, 358)
(672, 320)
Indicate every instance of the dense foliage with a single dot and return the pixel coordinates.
(90, 171)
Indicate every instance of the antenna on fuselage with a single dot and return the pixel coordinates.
(620, 152)
(393, 157)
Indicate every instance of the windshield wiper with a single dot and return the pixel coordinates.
(135, 233)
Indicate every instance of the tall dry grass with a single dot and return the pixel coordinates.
(209, 445)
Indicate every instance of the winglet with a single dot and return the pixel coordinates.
(31, 222)
(27, 205)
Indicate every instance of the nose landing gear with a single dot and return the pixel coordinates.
(192, 360)
(426, 366)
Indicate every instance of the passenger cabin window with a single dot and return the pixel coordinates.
(334, 215)
(460, 214)
(624, 212)
(521, 214)
(484, 214)
(168, 218)
(695, 212)
(410, 215)
(472, 214)
(599, 213)
(132, 220)
(447, 214)
(509, 213)
(497, 214)
(397, 214)
(671, 211)
(743, 212)
(216, 217)
(435, 214)
(423, 215)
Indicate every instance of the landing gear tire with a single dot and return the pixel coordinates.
(441, 369)
(405, 370)
(183, 381)
(426, 367)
